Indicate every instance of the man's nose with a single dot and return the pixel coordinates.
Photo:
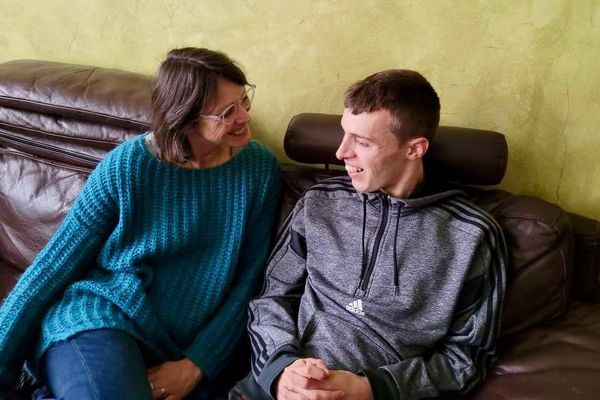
(344, 150)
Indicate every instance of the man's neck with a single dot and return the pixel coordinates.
(414, 175)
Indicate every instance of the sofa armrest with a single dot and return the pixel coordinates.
(586, 282)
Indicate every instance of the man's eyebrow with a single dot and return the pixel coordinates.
(360, 136)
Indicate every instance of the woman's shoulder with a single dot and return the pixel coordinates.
(120, 159)
(262, 166)
(258, 152)
(129, 147)
(132, 144)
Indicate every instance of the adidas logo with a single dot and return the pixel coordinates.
(355, 307)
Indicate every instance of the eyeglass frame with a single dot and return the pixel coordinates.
(221, 116)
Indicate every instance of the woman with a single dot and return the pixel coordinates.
(142, 291)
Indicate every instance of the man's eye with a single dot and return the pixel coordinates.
(361, 142)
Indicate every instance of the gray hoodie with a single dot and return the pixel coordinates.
(405, 291)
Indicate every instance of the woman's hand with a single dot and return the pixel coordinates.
(174, 380)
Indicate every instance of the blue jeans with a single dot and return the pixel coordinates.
(99, 364)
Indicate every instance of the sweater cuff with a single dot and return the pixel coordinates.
(382, 384)
(211, 358)
(276, 363)
(202, 363)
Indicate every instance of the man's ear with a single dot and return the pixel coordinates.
(417, 147)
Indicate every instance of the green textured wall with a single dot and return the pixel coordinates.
(527, 68)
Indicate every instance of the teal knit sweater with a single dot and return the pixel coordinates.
(170, 255)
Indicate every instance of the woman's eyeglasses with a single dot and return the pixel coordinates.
(230, 113)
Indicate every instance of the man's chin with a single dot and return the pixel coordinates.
(360, 188)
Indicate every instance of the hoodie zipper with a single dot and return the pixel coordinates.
(369, 270)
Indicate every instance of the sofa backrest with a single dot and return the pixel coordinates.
(57, 121)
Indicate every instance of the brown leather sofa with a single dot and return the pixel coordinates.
(58, 120)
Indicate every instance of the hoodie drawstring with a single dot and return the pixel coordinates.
(364, 223)
(396, 272)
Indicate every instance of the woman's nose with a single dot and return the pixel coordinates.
(243, 116)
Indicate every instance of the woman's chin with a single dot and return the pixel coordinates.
(239, 138)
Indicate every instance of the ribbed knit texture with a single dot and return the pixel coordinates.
(170, 255)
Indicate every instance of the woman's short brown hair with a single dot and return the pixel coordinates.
(185, 82)
(410, 99)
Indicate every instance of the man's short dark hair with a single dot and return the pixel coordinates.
(410, 99)
(185, 82)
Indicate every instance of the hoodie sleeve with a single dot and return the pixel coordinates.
(272, 326)
(460, 361)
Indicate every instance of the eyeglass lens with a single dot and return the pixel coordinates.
(231, 112)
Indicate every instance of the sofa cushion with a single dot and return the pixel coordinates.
(560, 361)
(36, 195)
(540, 246)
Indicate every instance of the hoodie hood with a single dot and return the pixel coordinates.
(427, 192)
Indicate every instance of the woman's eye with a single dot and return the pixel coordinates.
(246, 102)
(229, 112)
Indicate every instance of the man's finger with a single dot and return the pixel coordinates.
(318, 363)
(310, 371)
(327, 394)
(320, 394)
(285, 393)
(311, 384)
(298, 380)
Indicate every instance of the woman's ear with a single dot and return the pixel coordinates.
(417, 147)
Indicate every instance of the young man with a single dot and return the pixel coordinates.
(382, 285)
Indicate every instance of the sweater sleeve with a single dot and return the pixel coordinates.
(64, 258)
(460, 361)
(273, 315)
(213, 344)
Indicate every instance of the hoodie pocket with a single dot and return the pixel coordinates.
(344, 345)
